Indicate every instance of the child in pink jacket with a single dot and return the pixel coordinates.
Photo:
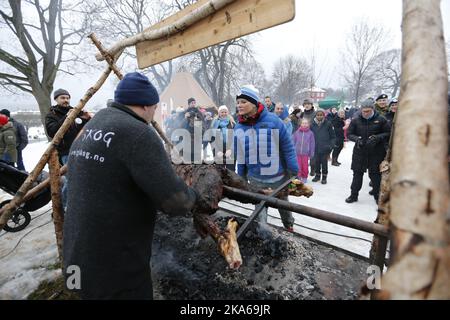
(304, 147)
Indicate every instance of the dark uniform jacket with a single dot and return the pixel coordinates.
(368, 156)
(338, 125)
(21, 134)
(324, 136)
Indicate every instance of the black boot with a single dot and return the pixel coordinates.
(324, 179)
(316, 178)
(335, 163)
(312, 173)
(352, 198)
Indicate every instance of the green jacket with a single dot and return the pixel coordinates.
(8, 150)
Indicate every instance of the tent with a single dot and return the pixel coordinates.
(182, 87)
(329, 103)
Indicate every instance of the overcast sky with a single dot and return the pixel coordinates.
(320, 26)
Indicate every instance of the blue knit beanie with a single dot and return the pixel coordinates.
(250, 94)
(136, 90)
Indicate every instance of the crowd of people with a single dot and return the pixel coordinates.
(317, 136)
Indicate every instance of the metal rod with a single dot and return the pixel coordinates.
(259, 208)
(350, 222)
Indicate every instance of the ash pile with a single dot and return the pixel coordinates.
(276, 265)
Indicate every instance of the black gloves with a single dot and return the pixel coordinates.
(360, 143)
(372, 141)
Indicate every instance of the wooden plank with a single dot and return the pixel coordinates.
(238, 19)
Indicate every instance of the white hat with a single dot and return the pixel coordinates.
(223, 107)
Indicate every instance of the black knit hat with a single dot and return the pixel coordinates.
(136, 90)
(60, 92)
(6, 112)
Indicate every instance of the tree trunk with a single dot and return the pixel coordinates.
(420, 227)
(44, 102)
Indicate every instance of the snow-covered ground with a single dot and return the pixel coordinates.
(28, 264)
(28, 257)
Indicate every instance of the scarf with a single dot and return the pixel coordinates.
(252, 120)
(303, 129)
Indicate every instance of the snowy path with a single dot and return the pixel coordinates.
(24, 268)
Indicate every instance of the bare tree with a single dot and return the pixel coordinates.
(386, 71)
(363, 44)
(124, 18)
(35, 48)
(244, 70)
(291, 74)
(217, 67)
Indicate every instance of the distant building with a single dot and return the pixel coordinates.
(315, 94)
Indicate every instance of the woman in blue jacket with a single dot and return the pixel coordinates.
(263, 148)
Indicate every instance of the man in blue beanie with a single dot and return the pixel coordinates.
(119, 176)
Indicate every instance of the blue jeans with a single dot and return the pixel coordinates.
(20, 164)
(63, 160)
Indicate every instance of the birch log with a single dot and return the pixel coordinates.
(420, 242)
(198, 14)
(57, 215)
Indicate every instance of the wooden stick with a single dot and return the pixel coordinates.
(379, 244)
(106, 55)
(420, 229)
(58, 211)
(200, 13)
(41, 186)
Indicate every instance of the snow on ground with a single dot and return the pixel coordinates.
(28, 257)
(32, 261)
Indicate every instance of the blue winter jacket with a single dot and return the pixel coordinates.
(259, 154)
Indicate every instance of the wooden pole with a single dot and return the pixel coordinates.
(198, 14)
(41, 186)
(379, 244)
(419, 265)
(58, 211)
